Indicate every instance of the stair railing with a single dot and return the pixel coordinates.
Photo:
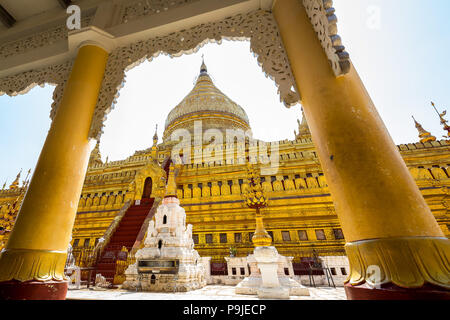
(101, 245)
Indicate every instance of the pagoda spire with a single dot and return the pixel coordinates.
(303, 128)
(171, 187)
(203, 68)
(15, 183)
(95, 157)
(424, 135)
(155, 136)
(444, 122)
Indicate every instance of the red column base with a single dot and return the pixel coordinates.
(33, 290)
(393, 292)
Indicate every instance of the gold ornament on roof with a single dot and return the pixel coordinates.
(303, 128)
(155, 136)
(15, 183)
(424, 135)
(444, 122)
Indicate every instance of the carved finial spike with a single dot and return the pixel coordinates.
(155, 136)
(203, 68)
(424, 135)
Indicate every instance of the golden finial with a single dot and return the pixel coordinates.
(155, 136)
(95, 157)
(424, 135)
(203, 68)
(444, 122)
(26, 179)
(255, 198)
(15, 183)
(4, 185)
(303, 128)
(171, 188)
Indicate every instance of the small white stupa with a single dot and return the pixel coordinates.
(168, 261)
(267, 278)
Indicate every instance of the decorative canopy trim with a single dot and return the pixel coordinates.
(23, 82)
(142, 8)
(324, 21)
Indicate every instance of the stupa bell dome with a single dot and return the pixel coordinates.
(206, 103)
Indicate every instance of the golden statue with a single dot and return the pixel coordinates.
(443, 121)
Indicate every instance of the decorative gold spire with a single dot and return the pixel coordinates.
(95, 157)
(4, 185)
(27, 180)
(154, 149)
(203, 69)
(303, 128)
(256, 199)
(171, 188)
(155, 136)
(444, 122)
(15, 183)
(424, 135)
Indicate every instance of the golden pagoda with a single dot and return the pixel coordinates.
(205, 103)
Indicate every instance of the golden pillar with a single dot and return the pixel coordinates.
(395, 246)
(32, 266)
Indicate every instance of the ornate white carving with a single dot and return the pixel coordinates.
(37, 40)
(259, 26)
(324, 21)
(25, 81)
(142, 8)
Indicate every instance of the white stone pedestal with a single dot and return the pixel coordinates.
(168, 240)
(267, 278)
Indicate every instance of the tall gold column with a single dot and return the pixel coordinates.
(32, 266)
(394, 242)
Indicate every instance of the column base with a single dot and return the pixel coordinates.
(33, 290)
(393, 292)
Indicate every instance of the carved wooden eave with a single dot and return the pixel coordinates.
(324, 21)
(41, 50)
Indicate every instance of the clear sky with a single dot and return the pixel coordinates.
(400, 48)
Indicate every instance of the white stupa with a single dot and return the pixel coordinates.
(168, 261)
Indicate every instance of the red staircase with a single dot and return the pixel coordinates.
(125, 235)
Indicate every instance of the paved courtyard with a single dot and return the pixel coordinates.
(212, 292)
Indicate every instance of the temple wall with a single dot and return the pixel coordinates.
(300, 214)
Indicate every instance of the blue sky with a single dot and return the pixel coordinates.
(400, 49)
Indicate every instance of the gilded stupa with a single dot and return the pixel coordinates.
(206, 103)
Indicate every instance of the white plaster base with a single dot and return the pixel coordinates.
(266, 279)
